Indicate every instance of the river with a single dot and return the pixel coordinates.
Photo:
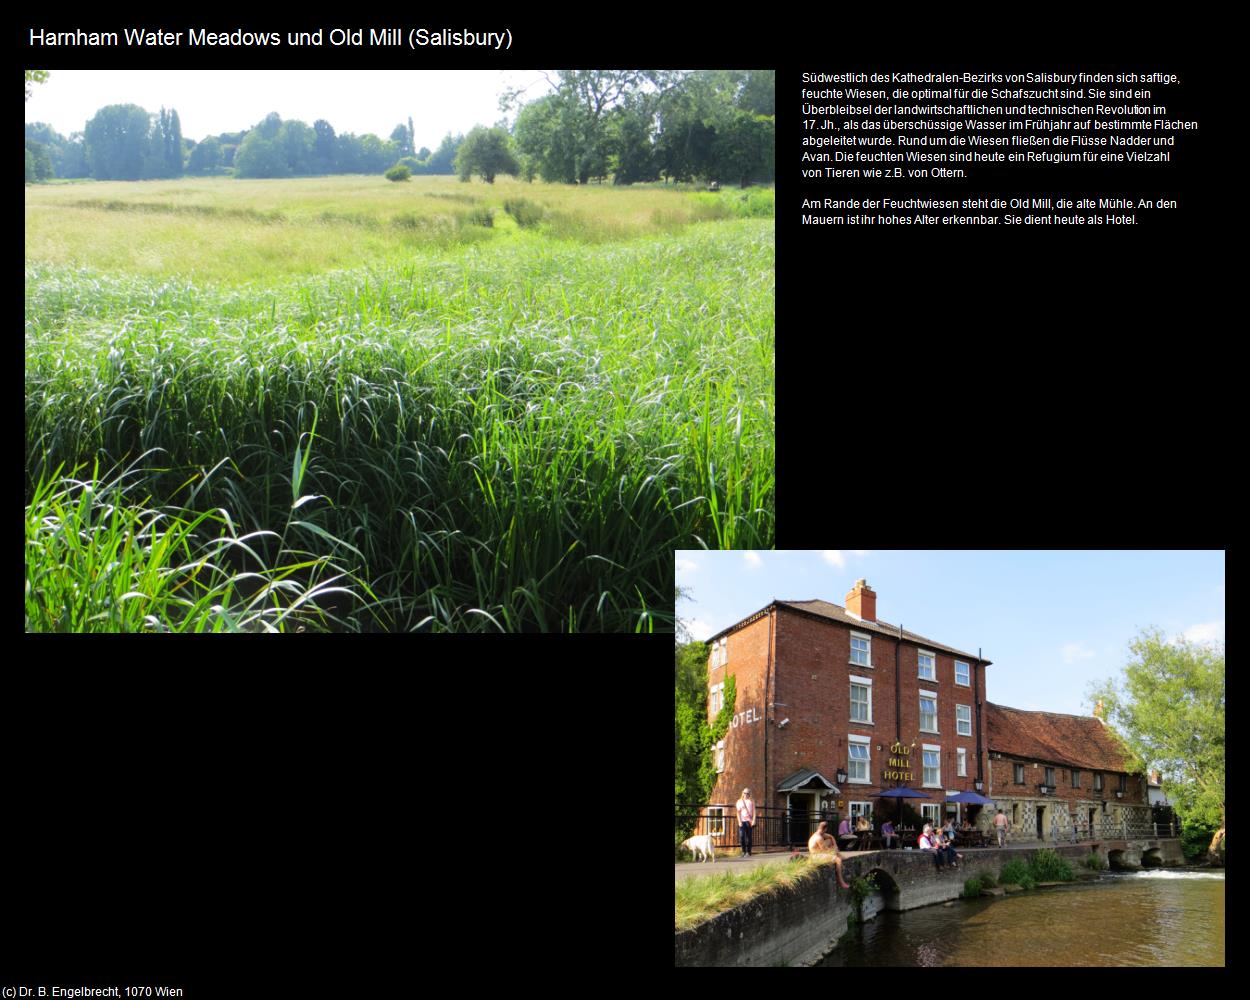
(1149, 918)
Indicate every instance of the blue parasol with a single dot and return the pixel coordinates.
(970, 798)
(903, 793)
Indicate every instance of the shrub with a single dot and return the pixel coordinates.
(478, 217)
(1095, 862)
(398, 173)
(1047, 866)
(972, 887)
(526, 212)
(1016, 872)
(987, 881)
(1195, 839)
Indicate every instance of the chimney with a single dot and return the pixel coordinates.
(862, 602)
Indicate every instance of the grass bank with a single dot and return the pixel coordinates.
(700, 898)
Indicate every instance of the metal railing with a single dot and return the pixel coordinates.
(775, 827)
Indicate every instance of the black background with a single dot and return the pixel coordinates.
(239, 820)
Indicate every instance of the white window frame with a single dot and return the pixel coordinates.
(867, 638)
(716, 820)
(920, 666)
(933, 696)
(936, 818)
(866, 743)
(716, 698)
(1098, 781)
(967, 681)
(863, 682)
(961, 755)
(931, 748)
(858, 809)
(724, 651)
(720, 757)
(1013, 773)
(958, 731)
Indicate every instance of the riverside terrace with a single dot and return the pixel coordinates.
(798, 927)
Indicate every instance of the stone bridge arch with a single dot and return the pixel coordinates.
(886, 897)
(1151, 857)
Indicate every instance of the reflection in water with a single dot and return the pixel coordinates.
(1145, 918)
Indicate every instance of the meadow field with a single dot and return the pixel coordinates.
(344, 404)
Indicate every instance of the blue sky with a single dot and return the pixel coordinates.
(1050, 621)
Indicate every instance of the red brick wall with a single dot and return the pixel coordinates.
(811, 687)
(747, 661)
(1004, 783)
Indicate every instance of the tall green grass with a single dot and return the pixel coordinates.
(506, 437)
(98, 561)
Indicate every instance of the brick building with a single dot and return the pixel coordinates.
(835, 706)
(1048, 771)
(823, 689)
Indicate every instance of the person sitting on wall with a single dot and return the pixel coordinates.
(821, 843)
(926, 843)
(946, 847)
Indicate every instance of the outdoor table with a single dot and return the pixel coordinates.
(870, 842)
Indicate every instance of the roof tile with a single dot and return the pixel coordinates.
(1081, 741)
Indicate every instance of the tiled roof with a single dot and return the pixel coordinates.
(1081, 741)
(827, 610)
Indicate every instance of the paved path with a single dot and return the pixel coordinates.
(686, 869)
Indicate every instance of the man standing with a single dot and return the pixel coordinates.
(746, 820)
(1000, 824)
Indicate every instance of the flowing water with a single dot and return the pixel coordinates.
(1150, 918)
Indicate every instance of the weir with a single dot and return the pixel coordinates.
(798, 927)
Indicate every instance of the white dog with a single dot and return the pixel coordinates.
(696, 844)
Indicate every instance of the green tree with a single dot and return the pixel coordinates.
(116, 141)
(486, 152)
(34, 76)
(167, 142)
(296, 141)
(324, 146)
(743, 149)
(1169, 715)
(41, 159)
(260, 157)
(443, 159)
(205, 157)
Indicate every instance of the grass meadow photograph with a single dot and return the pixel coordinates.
(393, 351)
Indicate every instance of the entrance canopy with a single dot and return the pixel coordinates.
(807, 781)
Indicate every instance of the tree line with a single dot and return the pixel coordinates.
(125, 142)
(626, 126)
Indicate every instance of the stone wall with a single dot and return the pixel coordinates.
(797, 927)
(791, 927)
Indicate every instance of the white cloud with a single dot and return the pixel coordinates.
(753, 559)
(834, 558)
(686, 565)
(699, 629)
(1074, 651)
(1205, 632)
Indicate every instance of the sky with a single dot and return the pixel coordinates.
(1050, 621)
(209, 102)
